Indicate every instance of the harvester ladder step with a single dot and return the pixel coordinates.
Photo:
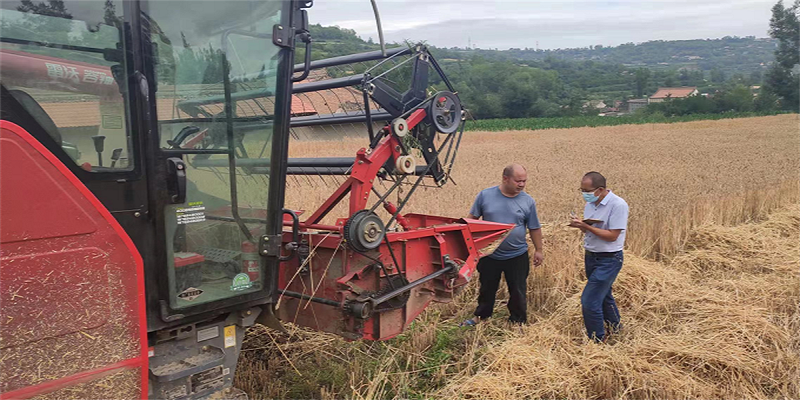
(208, 358)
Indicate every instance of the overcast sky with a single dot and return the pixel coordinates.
(554, 24)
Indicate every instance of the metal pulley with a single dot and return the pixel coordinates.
(406, 165)
(364, 231)
(400, 127)
(445, 112)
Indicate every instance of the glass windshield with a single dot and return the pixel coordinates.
(215, 67)
(63, 62)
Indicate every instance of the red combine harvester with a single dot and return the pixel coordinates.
(134, 274)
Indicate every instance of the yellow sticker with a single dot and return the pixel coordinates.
(230, 336)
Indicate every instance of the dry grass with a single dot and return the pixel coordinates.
(708, 292)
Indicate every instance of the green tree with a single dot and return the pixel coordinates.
(782, 78)
(53, 8)
(766, 101)
(738, 98)
(755, 77)
(39, 27)
(641, 77)
(717, 76)
(110, 14)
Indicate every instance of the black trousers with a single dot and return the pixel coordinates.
(516, 272)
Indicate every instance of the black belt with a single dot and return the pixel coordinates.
(603, 255)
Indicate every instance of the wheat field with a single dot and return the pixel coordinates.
(708, 292)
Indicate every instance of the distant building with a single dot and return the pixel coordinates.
(635, 104)
(664, 93)
(599, 104)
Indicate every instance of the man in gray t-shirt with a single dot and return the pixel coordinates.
(507, 203)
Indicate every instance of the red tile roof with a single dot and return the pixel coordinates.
(74, 112)
(87, 113)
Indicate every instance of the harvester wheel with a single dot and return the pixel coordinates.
(364, 231)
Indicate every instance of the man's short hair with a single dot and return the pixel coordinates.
(598, 180)
(509, 169)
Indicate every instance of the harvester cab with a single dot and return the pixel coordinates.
(144, 164)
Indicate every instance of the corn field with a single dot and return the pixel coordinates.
(708, 292)
(495, 125)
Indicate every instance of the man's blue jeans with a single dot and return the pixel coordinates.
(597, 301)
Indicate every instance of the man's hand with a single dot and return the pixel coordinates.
(577, 223)
(538, 258)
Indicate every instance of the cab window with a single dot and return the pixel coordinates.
(63, 62)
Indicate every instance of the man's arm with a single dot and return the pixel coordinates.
(535, 231)
(476, 210)
(609, 235)
(617, 219)
(536, 238)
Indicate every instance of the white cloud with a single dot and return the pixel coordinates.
(554, 24)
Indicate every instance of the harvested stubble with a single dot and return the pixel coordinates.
(695, 330)
(710, 305)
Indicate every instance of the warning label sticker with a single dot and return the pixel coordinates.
(190, 294)
(196, 212)
(230, 336)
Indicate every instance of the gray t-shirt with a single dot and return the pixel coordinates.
(520, 210)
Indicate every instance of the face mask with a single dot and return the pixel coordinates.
(589, 197)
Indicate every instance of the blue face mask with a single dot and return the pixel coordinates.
(589, 197)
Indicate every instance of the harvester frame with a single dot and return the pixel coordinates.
(143, 273)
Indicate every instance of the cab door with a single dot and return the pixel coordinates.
(219, 110)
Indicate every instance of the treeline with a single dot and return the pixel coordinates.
(736, 99)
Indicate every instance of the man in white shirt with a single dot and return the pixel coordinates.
(603, 242)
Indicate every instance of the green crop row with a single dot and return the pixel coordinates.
(591, 121)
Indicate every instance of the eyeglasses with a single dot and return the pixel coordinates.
(588, 191)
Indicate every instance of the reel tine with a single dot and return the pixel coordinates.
(320, 177)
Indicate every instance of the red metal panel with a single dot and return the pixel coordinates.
(415, 118)
(75, 298)
(73, 301)
(38, 202)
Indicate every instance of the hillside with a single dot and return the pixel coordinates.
(597, 72)
(731, 55)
